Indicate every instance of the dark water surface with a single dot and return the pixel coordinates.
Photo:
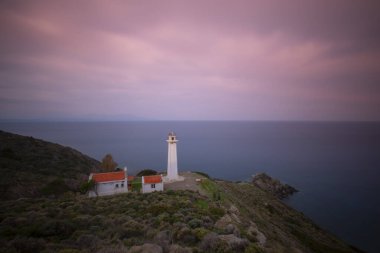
(336, 166)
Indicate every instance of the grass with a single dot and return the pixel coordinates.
(212, 189)
(88, 224)
(209, 186)
(201, 203)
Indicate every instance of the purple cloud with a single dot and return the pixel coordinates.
(250, 60)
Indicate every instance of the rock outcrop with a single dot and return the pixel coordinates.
(273, 186)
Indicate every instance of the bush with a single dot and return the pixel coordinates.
(56, 187)
(216, 211)
(170, 192)
(8, 153)
(28, 245)
(211, 243)
(194, 223)
(200, 233)
(59, 228)
(146, 172)
(88, 241)
(136, 185)
(87, 186)
(185, 236)
(158, 209)
(252, 248)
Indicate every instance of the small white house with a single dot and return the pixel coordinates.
(152, 183)
(109, 183)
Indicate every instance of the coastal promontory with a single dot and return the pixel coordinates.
(199, 214)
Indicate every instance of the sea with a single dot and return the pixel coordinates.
(334, 165)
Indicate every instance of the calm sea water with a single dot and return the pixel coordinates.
(336, 166)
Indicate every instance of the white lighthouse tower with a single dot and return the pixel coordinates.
(172, 173)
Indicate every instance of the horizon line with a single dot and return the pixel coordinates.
(180, 120)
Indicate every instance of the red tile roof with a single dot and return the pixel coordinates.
(130, 178)
(109, 176)
(152, 179)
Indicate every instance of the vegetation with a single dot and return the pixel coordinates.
(224, 217)
(212, 189)
(108, 164)
(268, 224)
(87, 186)
(285, 229)
(273, 186)
(81, 224)
(202, 174)
(136, 184)
(146, 172)
(33, 168)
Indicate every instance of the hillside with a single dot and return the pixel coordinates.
(276, 226)
(31, 167)
(206, 216)
(232, 218)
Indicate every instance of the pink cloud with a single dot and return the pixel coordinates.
(212, 61)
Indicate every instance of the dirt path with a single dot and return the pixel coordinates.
(189, 183)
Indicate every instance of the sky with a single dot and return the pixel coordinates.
(190, 60)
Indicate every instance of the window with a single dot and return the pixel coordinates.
(122, 185)
(117, 185)
(153, 186)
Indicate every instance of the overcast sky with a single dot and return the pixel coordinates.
(190, 60)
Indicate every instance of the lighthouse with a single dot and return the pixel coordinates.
(172, 173)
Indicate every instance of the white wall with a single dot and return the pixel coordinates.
(172, 172)
(148, 187)
(109, 188)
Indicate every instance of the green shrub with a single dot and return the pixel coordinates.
(194, 223)
(158, 209)
(170, 192)
(200, 233)
(253, 248)
(201, 203)
(136, 185)
(87, 186)
(185, 236)
(216, 211)
(56, 187)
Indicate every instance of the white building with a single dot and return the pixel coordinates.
(152, 183)
(109, 183)
(172, 171)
